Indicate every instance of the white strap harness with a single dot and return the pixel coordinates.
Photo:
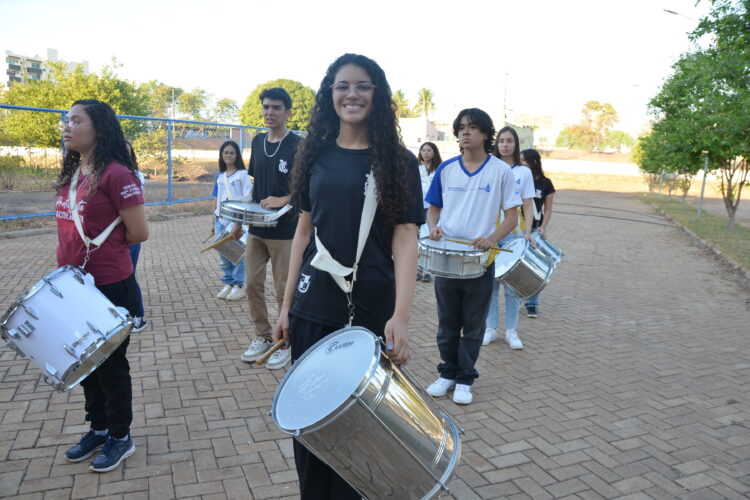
(324, 261)
(99, 240)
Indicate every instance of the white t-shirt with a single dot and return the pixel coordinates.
(524, 188)
(426, 180)
(472, 202)
(240, 184)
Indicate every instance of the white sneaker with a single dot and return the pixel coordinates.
(440, 387)
(278, 359)
(490, 335)
(237, 293)
(462, 395)
(257, 347)
(224, 292)
(511, 337)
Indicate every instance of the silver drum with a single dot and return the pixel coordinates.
(526, 270)
(360, 414)
(234, 250)
(251, 213)
(451, 260)
(549, 249)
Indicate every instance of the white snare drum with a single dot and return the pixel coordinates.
(251, 213)
(451, 260)
(549, 249)
(526, 270)
(234, 250)
(66, 326)
(349, 405)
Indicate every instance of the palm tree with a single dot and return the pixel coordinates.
(401, 103)
(424, 102)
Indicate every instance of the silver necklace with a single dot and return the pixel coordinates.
(265, 141)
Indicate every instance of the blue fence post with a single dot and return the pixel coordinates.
(169, 161)
(63, 115)
(242, 139)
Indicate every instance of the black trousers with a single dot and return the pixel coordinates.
(462, 307)
(108, 390)
(317, 481)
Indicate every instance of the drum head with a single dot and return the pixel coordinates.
(448, 245)
(324, 378)
(505, 260)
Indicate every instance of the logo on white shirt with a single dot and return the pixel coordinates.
(304, 283)
(282, 167)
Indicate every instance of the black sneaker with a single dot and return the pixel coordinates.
(112, 455)
(532, 311)
(426, 277)
(86, 447)
(139, 324)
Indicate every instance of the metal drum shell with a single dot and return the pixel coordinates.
(450, 263)
(250, 213)
(234, 250)
(553, 253)
(387, 440)
(529, 274)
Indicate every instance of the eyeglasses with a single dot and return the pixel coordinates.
(71, 124)
(359, 88)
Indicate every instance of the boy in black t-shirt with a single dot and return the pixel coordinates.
(271, 162)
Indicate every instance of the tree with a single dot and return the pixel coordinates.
(591, 133)
(401, 104)
(704, 102)
(576, 137)
(303, 99)
(59, 92)
(193, 104)
(424, 103)
(162, 98)
(226, 111)
(617, 139)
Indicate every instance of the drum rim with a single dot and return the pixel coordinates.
(335, 413)
(472, 252)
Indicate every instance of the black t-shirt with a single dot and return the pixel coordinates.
(271, 178)
(543, 187)
(334, 197)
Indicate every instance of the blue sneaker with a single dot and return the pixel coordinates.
(112, 455)
(86, 447)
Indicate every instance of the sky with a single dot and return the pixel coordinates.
(525, 56)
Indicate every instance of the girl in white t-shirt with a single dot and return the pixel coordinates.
(429, 160)
(232, 183)
(508, 149)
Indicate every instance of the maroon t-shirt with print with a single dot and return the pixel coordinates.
(118, 189)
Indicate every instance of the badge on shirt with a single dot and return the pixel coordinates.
(282, 167)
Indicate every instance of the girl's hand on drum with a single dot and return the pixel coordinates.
(396, 340)
(541, 233)
(237, 232)
(281, 330)
(436, 233)
(530, 239)
(271, 202)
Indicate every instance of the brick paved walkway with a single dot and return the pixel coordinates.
(633, 382)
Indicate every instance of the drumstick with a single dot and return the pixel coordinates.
(217, 243)
(268, 353)
(207, 238)
(495, 248)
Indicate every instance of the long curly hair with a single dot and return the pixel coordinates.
(110, 146)
(390, 159)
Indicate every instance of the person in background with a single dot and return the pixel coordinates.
(429, 160)
(139, 322)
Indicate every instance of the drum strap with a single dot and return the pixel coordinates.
(323, 259)
(99, 240)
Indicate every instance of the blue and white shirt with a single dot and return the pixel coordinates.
(471, 203)
(240, 184)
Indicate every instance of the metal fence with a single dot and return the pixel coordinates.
(178, 157)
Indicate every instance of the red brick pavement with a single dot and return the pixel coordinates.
(632, 384)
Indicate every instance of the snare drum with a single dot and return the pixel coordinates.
(234, 250)
(526, 270)
(251, 214)
(360, 414)
(66, 326)
(549, 249)
(451, 260)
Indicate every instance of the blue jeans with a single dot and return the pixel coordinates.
(135, 251)
(512, 302)
(231, 274)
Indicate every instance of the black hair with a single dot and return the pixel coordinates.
(133, 156)
(482, 120)
(110, 145)
(534, 161)
(516, 149)
(239, 164)
(277, 94)
(436, 158)
(391, 162)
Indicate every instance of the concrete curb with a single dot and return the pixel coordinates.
(744, 274)
(22, 233)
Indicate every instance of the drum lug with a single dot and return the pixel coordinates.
(51, 370)
(78, 278)
(16, 349)
(95, 329)
(114, 312)
(80, 339)
(52, 288)
(30, 311)
(13, 333)
(69, 350)
(26, 328)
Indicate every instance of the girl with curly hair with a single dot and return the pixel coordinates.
(353, 132)
(104, 187)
